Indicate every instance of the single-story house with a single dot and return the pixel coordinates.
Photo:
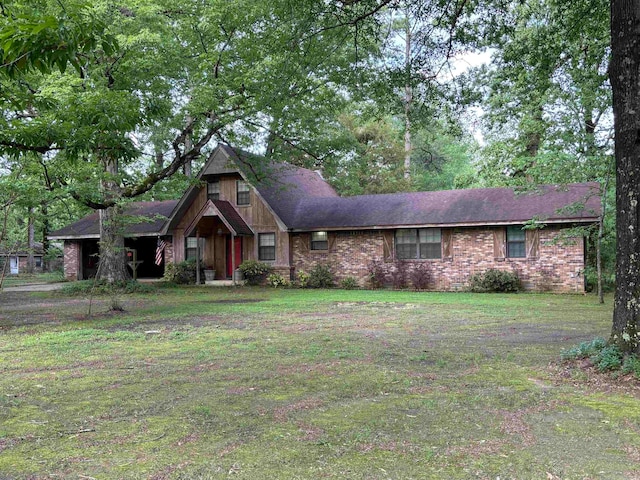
(292, 219)
(14, 259)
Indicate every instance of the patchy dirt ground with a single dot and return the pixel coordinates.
(278, 384)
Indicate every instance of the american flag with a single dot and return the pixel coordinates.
(159, 250)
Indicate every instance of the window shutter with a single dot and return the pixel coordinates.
(331, 241)
(447, 239)
(533, 243)
(499, 243)
(304, 240)
(387, 237)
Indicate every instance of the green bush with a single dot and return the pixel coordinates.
(321, 276)
(495, 281)
(183, 273)
(632, 365)
(349, 283)
(276, 280)
(584, 349)
(303, 279)
(609, 358)
(255, 272)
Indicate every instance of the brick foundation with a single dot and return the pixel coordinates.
(558, 267)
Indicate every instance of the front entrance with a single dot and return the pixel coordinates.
(13, 265)
(238, 254)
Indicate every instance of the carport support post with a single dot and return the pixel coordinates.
(233, 259)
(197, 257)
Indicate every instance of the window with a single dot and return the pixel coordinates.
(38, 262)
(319, 241)
(213, 190)
(515, 242)
(191, 248)
(242, 197)
(424, 243)
(266, 246)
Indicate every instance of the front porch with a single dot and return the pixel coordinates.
(219, 240)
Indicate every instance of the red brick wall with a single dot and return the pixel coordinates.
(558, 267)
(71, 260)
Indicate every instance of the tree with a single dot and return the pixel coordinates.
(548, 102)
(624, 73)
(185, 74)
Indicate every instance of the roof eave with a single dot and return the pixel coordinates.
(560, 221)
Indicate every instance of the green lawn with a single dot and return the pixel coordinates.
(26, 279)
(199, 383)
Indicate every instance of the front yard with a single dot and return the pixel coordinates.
(197, 383)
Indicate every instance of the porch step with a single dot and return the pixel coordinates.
(223, 283)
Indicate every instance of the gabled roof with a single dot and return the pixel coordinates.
(153, 216)
(302, 201)
(574, 203)
(226, 212)
(281, 185)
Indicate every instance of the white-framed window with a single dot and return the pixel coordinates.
(242, 193)
(319, 241)
(418, 243)
(266, 246)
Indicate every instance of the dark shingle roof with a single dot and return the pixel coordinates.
(283, 186)
(570, 203)
(233, 217)
(153, 216)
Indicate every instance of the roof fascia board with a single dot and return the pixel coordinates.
(445, 225)
(201, 213)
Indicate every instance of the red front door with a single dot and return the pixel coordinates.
(238, 253)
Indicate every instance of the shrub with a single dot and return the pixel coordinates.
(632, 365)
(609, 358)
(276, 280)
(399, 275)
(584, 349)
(349, 283)
(420, 276)
(495, 281)
(182, 273)
(254, 272)
(376, 274)
(321, 276)
(303, 279)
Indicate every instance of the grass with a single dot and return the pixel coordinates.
(255, 383)
(26, 279)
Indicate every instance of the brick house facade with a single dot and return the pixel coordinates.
(292, 219)
(558, 266)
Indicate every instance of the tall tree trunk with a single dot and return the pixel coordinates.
(624, 73)
(408, 97)
(188, 145)
(31, 241)
(112, 267)
(45, 236)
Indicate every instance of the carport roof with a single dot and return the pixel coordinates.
(143, 219)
